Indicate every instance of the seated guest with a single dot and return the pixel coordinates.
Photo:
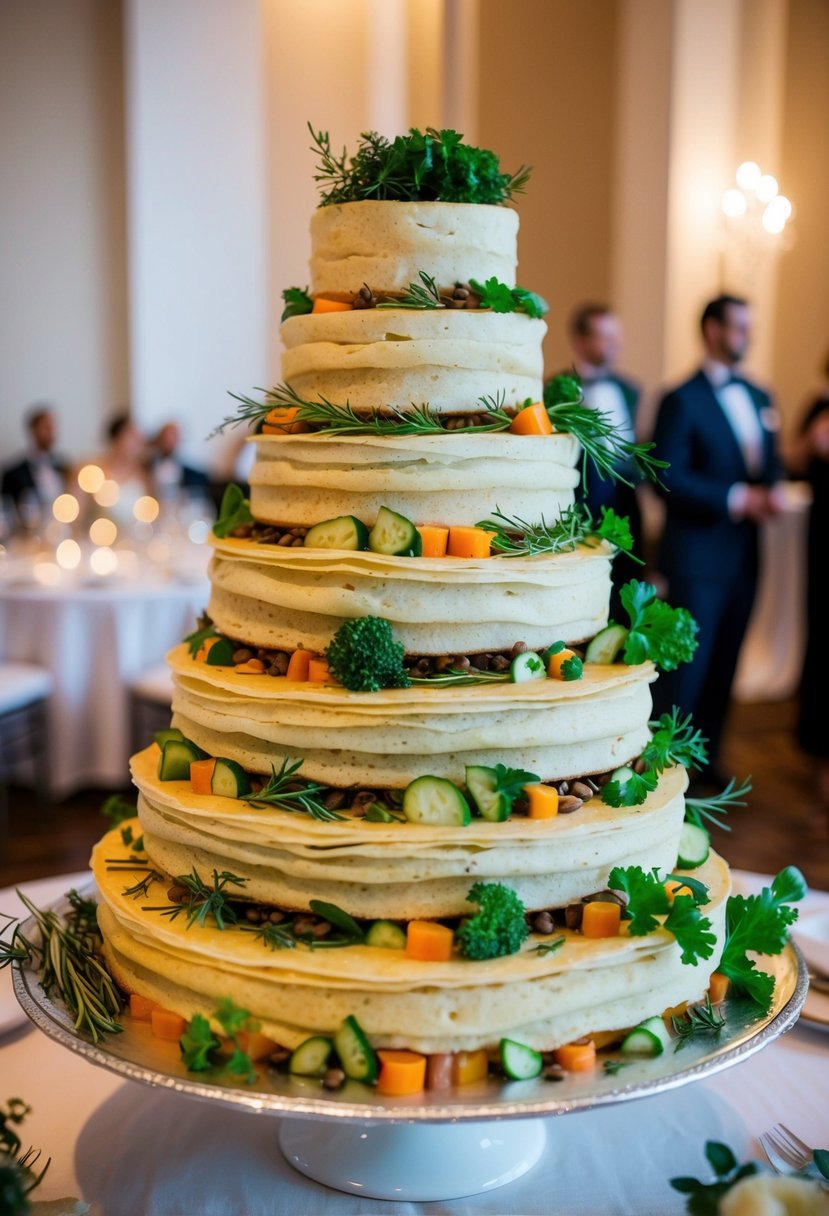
(167, 472)
(123, 461)
(41, 475)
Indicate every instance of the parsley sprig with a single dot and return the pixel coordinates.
(515, 537)
(498, 297)
(297, 302)
(233, 512)
(201, 1048)
(287, 792)
(648, 899)
(428, 165)
(665, 635)
(675, 740)
(760, 924)
(204, 629)
(203, 900)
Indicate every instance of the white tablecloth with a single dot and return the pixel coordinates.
(134, 1151)
(93, 640)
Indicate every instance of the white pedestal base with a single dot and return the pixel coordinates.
(413, 1161)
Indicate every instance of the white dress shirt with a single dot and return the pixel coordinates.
(604, 395)
(741, 415)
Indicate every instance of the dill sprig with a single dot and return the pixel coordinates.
(425, 294)
(328, 418)
(603, 444)
(698, 809)
(286, 792)
(203, 901)
(697, 1020)
(67, 961)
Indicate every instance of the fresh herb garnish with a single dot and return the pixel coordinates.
(697, 809)
(603, 444)
(275, 937)
(665, 635)
(203, 900)
(67, 961)
(704, 1197)
(454, 676)
(199, 636)
(549, 947)
(511, 781)
(289, 793)
(141, 889)
(631, 791)
(515, 537)
(116, 809)
(17, 1168)
(199, 1045)
(696, 1021)
(648, 899)
(572, 668)
(365, 656)
(297, 302)
(337, 917)
(612, 1067)
(760, 923)
(425, 294)
(497, 928)
(500, 298)
(615, 529)
(234, 511)
(377, 813)
(126, 835)
(674, 741)
(428, 165)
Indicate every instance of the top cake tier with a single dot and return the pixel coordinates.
(387, 245)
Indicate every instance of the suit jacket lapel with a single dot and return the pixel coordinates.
(721, 421)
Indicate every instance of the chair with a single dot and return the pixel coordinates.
(151, 695)
(24, 730)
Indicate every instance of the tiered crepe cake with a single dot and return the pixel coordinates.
(281, 597)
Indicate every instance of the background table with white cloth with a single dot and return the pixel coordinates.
(135, 1151)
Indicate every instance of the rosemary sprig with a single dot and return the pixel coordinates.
(285, 791)
(142, 887)
(697, 809)
(425, 294)
(66, 959)
(697, 1020)
(544, 948)
(453, 677)
(203, 901)
(603, 444)
(275, 937)
(612, 1067)
(515, 537)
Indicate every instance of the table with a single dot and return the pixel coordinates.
(94, 639)
(129, 1149)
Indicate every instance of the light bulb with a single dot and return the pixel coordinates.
(766, 188)
(773, 219)
(748, 175)
(734, 203)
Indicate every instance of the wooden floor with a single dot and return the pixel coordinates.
(781, 825)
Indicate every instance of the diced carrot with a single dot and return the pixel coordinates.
(401, 1072)
(429, 942)
(257, 1045)
(434, 540)
(323, 305)
(577, 1057)
(319, 672)
(468, 542)
(674, 887)
(674, 1011)
(532, 420)
(205, 648)
(439, 1070)
(167, 1025)
(298, 665)
(201, 775)
(470, 1066)
(253, 667)
(717, 987)
(282, 420)
(543, 801)
(141, 1007)
(556, 662)
(600, 919)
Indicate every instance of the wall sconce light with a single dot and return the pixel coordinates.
(755, 215)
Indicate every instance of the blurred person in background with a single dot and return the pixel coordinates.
(124, 462)
(718, 433)
(809, 457)
(169, 474)
(40, 476)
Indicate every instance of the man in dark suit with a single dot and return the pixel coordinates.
(595, 333)
(41, 475)
(717, 430)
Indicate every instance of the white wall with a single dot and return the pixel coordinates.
(63, 335)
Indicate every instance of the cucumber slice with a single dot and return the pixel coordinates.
(520, 1062)
(176, 757)
(527, 666)
(649, 1038)
(229, 779)
(605, 646)
(220, 654)
(623, 774)
(344, 532)
(394, 535)
(163, 736)
(311, 1058)
(356, 1055)
(694, 846)
(434, 800)
(482, 784)
(387, 935)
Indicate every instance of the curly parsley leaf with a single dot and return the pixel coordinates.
(500, 298)
(511, 781)
(197, 1043)
(297, 302)
(648, 899)
(233, 512)
(760, 923)
(665, 635)
(675, 741)
(629, 791)
(615, 529)
(572, 668)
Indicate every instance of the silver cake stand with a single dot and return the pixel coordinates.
(470, 1139)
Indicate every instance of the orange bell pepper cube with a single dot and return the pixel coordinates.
(205, 648)
(674, 887)
(532, 420)
(319, 672)
(167, 1025)
(255, 1044)
(556, 662)
(470, 1066)
(201, 775)
(577, 1057)
(717, 987)
(401, 1072)
(543, 801)
(141, 1007)
(323, 305)
(253, 667)
(600, 919)
(469, 542)
(282, 420)
(298, 665)
(434, 541)
(429, 942)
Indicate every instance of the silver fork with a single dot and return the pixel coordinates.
(787, 1152)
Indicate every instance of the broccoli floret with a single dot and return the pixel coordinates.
(498, 927)
(365, 657)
